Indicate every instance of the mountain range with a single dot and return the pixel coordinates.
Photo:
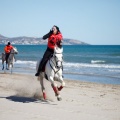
(23, 40)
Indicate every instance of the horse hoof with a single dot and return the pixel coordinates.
(59, 98)
(56, 94)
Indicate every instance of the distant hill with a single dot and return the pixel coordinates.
(2, 37)
(36, 41)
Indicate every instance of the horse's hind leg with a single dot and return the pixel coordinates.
(3, 66)
(42, 87)
(11, 68)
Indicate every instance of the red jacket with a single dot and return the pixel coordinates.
(8, 48)
(53, 39)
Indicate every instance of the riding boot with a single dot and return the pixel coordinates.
(38, 71)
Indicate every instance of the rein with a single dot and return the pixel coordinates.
(53, 68)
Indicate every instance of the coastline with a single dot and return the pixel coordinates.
(97, 63)
(80, 100)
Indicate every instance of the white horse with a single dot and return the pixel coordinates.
(53, 72)
(11, 59)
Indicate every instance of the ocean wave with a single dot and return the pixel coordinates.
(68, 65)
(80, 65)
(115, 70)
(25, 62)
(97, 61)
(92, 74)
(88, 71)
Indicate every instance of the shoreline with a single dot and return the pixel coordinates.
(66, 79)
(76, 77)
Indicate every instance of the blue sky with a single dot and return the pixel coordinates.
(95, 22)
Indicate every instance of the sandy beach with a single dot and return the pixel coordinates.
(21, 99)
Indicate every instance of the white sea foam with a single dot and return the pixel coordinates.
(97, 61)
(77, 71)
(80, 65)
(25, 62)
(68, 65)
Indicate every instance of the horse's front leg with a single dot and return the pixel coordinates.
(60, 79)
(55, 88)
(7, 66)
(12, 65)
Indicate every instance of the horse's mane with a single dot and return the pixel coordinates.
(58, 49)
(59, 44)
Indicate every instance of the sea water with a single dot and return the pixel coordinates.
(93, 63)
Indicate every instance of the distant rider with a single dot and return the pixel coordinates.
(54, 38)
(7, 50)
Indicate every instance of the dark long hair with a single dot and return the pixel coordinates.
(58, 30)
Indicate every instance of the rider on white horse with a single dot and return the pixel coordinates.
(7, 50)
(54, 38)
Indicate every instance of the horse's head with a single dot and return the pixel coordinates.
(58, 57)
(14, 50)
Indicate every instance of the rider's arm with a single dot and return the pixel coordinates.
(47, 35)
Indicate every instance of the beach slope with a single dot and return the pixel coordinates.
(21, 99)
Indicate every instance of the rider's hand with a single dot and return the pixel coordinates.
(47, 35)
(51, 31)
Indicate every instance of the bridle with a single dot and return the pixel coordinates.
(55, 62)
